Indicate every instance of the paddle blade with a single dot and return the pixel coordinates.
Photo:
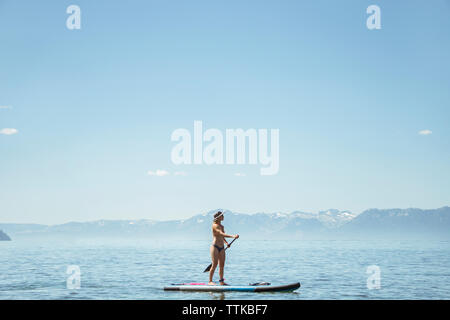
(208, 268)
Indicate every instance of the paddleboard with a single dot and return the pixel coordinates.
(218, 288)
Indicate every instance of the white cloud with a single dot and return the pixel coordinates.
(5, 107)
(238, 174)
(425, 132)
(180, 173)
(8, 131)
(158, 173)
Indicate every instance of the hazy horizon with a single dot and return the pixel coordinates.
(213, 210)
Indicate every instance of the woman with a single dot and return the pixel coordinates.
(218, 248)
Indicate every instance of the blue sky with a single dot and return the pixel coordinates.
(94, 108)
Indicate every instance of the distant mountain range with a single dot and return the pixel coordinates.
(331, 224)
(4, 236)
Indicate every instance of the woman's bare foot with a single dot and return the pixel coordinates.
(222, 282)
(211, 283)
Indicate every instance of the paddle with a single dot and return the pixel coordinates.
(209, 267)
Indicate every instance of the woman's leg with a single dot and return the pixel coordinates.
(214, 259)
(221, 264)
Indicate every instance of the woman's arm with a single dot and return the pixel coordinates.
(223, 234)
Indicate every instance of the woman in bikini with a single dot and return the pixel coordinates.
(218, 248)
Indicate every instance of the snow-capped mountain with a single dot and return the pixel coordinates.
(331, 218)
(329, 224)
(400, 223)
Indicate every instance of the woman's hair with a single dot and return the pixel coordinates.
(217, 215)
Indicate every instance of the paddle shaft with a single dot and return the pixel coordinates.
(209, 267)
(230, 243)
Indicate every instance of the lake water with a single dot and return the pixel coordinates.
(139, 269)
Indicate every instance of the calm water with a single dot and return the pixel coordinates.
(112, 269)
